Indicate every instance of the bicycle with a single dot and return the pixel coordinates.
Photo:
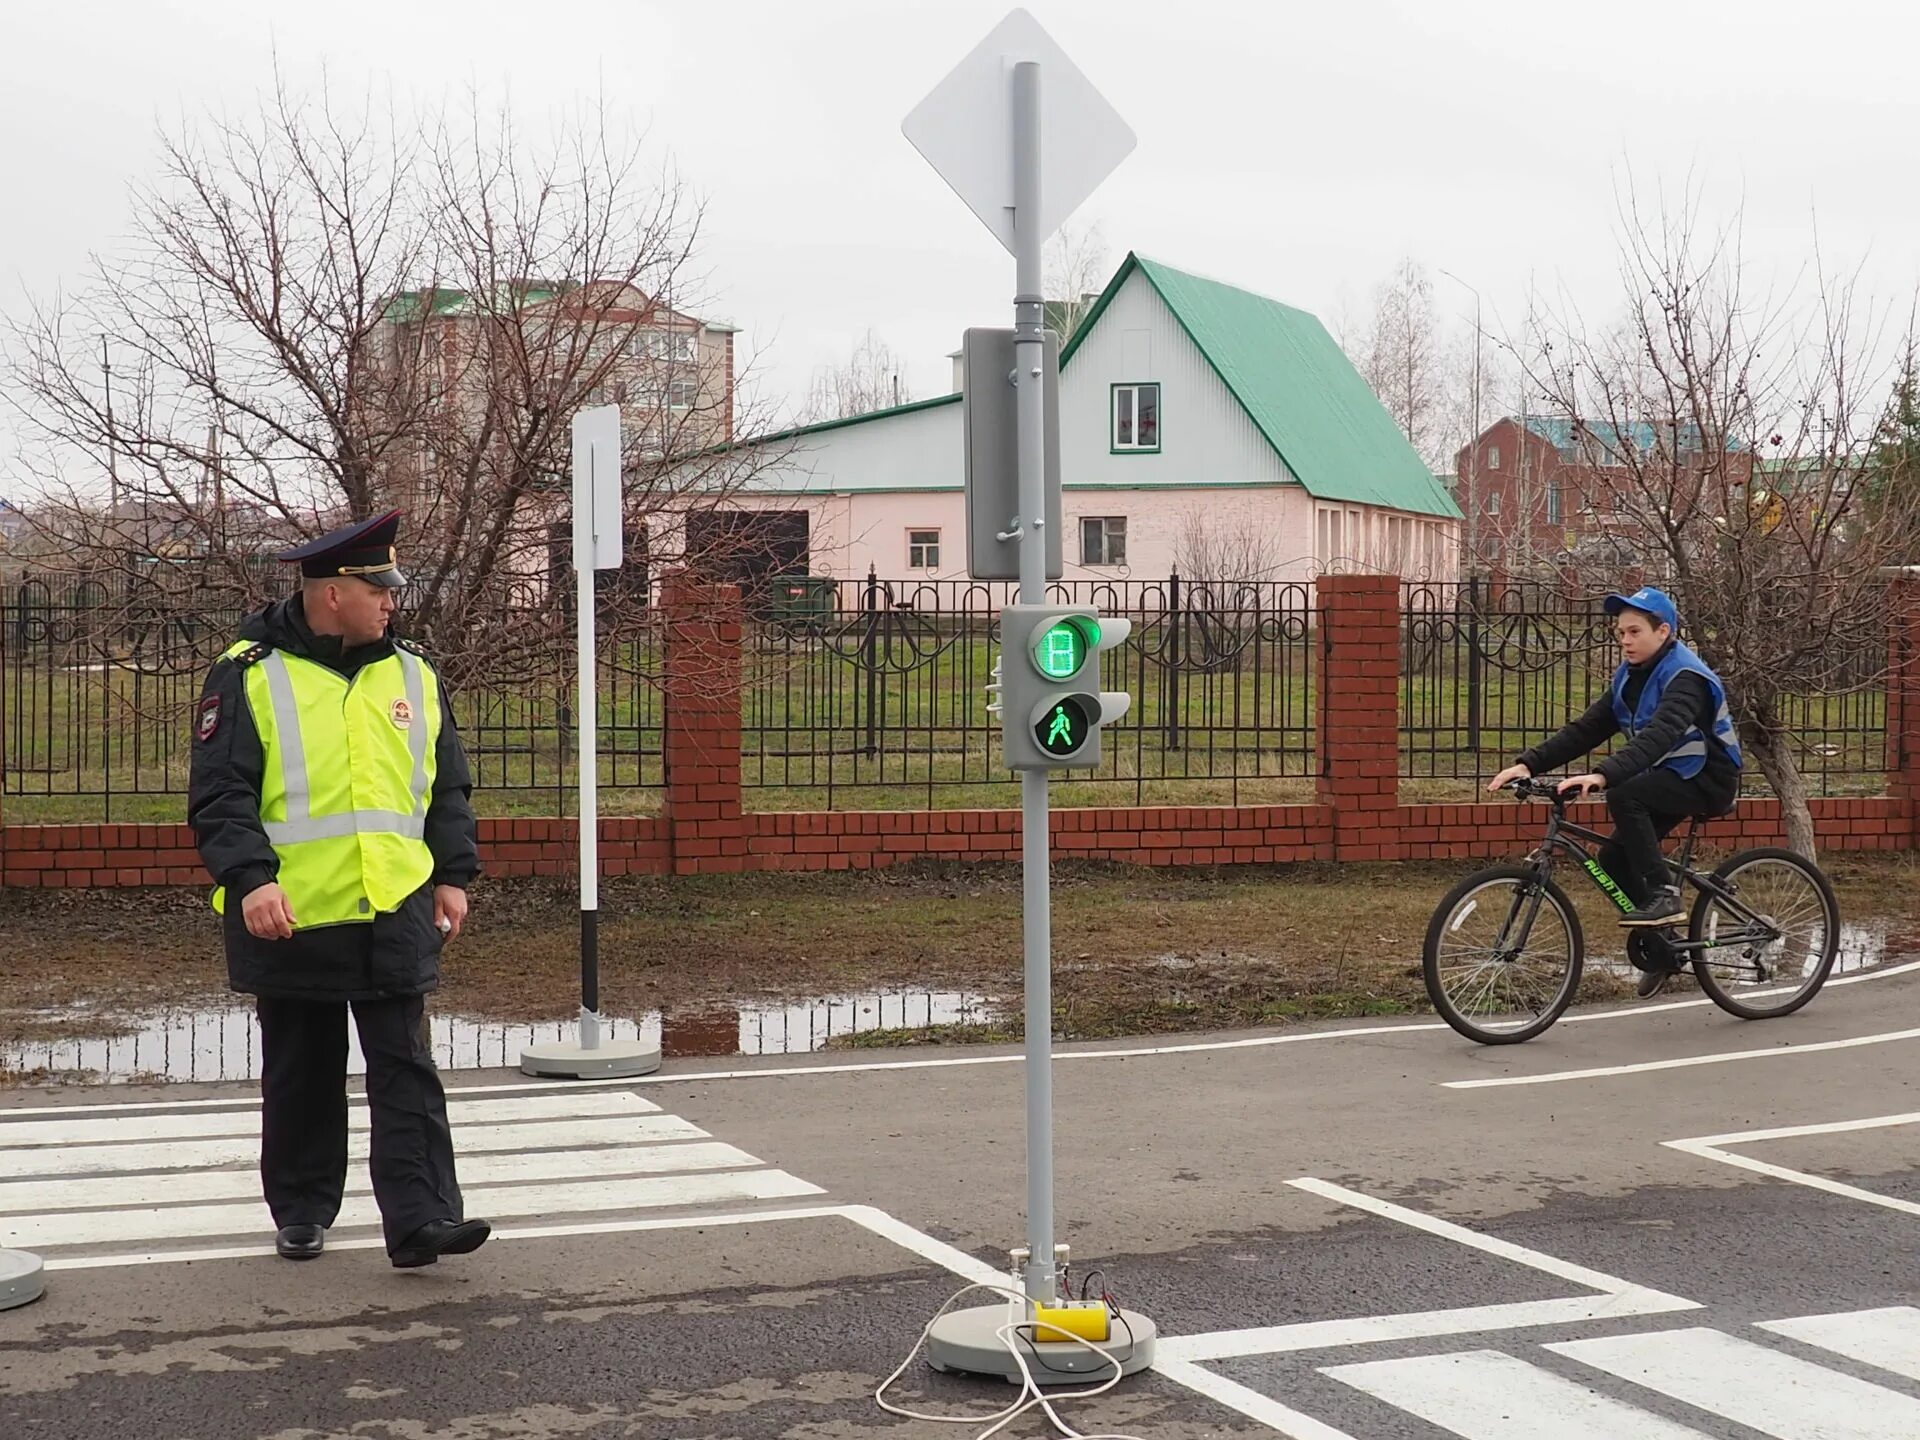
(1765, 926)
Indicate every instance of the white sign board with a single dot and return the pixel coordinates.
(964, 128)
(597, 519)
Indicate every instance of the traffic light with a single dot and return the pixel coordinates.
(1051, 705)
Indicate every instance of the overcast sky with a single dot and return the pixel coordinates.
(1296, 149)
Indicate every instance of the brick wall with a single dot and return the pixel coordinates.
(705, 829)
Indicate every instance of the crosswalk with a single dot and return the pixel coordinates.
(164, 1177)
(1712, 1377)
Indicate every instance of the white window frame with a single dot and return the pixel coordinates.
(1131, 391)
(920, 547)
(1493, 457)
(1107, 537)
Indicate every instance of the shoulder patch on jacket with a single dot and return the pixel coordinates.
(206, 723)
(252, 655)
(411, 646)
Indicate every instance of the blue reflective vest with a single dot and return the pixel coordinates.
(1689, 757)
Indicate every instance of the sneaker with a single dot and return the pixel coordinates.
(1664, 909)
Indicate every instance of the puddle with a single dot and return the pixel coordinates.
(224, 1044)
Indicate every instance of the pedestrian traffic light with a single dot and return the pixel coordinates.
(1051, 706)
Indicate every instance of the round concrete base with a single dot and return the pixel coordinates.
(22, 1278)
(609, 1060)
(963, 1342)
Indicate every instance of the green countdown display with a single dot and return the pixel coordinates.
(1062, 647)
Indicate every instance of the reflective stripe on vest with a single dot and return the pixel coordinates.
(350, 776)
(299, 824)
(1688, 757)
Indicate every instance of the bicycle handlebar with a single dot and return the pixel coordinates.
(1538, 788)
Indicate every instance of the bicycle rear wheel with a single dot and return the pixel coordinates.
(1489, 980)
(1773, 960)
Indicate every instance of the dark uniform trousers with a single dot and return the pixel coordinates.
(303, 1123)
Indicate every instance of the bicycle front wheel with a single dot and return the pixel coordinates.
(1768, 949)
(1503, 955)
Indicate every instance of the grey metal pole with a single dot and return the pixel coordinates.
(1029, 362)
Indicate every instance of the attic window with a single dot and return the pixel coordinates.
(1136, 419)
(1493, 457)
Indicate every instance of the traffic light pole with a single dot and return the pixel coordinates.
(1029, 366)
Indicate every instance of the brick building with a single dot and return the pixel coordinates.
(1542, 492)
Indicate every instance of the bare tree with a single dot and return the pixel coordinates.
(1075, 273)
(1731, 425)
(1221, 551)
(871, 378)
(1403, 352)
(325, 311)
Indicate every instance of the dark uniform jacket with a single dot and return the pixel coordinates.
(398, 953)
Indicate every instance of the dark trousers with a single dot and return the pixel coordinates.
(1645, 811)
(303, 1120)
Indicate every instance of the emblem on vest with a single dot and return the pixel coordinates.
(209, 719)
(402, 714)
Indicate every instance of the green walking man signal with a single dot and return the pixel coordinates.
(1051, 706)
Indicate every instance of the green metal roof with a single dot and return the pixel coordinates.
(819, 426)
(1296, 385)
(409, 304)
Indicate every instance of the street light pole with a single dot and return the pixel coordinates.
(1473, 445)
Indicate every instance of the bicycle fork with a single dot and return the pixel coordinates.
(1507, 946)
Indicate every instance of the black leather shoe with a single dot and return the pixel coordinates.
(300, 1242)
(437, 1238)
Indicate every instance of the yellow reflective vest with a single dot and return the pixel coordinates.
(349, 773)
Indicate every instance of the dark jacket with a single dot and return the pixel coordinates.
(396, 954)
(1687, 703)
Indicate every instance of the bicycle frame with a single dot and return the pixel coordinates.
(1564, 837)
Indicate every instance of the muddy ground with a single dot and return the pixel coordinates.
(1138, 951)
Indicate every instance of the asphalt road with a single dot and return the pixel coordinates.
(1334, 1235)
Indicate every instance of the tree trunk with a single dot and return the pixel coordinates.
(1763, 738)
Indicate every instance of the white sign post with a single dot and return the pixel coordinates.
(597, 545)
(1024, 138)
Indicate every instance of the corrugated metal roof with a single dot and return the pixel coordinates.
(1297, 387)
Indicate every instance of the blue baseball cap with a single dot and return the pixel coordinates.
(1654, 602)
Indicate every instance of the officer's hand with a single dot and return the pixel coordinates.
(449, 910)
(267, 913)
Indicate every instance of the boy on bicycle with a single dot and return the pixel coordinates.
(1681, 759)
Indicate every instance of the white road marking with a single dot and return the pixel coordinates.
(1710, 1147)
(1417, 1325)
(52, 1129)
(27, 1197)
(120, 1227)
(264, 1249)
(1248, 1401)
(1754, 1385)
(1887, 1339)
(1617, 1298)
(1490, 1395)
(1473, 1239)
(245, 1149)
(1682, 1063)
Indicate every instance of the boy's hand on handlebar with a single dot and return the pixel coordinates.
(1507, 776)
(1583, 784)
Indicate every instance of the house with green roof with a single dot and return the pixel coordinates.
(1202, 426)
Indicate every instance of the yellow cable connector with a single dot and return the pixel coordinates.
(1086, 1319)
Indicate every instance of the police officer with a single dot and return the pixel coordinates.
(331, 802)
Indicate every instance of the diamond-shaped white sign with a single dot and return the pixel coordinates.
(964, 128)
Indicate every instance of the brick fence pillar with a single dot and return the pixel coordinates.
(702, 742)
(1903, 697)
(1358, 713)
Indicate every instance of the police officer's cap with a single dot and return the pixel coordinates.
(363, 549)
